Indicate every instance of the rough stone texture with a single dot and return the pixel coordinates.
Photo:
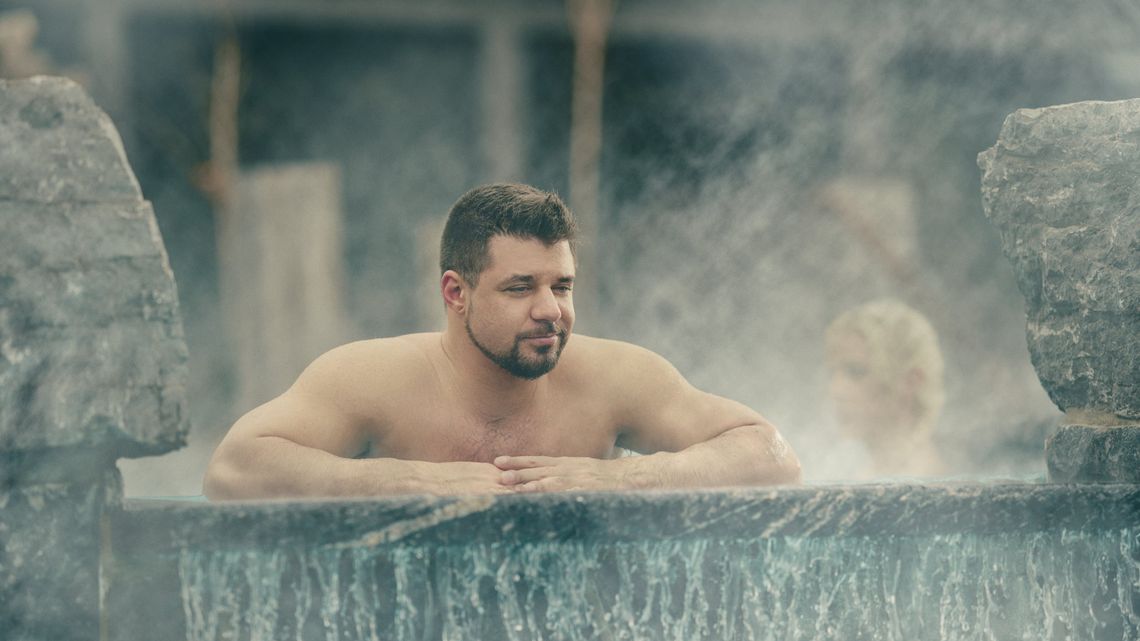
(91, 347)
(92, 360)
(49, 558)
(1010, 561)
(1061, 186)
(59, 147)
(845, 510)
(1097, 454)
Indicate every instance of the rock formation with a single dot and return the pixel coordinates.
(1062, 187)
(92, 358)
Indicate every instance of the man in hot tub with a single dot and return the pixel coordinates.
(502, 400)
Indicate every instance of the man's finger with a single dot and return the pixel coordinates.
(523, 475)
(523, 462)
(550, 484)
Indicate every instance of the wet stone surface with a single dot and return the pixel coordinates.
(1094, 454)
(92, 359)
(58, 146)
(1060, 186)
(49, 558)
(901, 562)
(91, 345)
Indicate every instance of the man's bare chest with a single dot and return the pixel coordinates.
(447, 434)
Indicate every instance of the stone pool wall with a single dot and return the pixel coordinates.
(905, 562)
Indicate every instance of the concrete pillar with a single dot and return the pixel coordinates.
(429, 302)
(282, 277)
(502, 68)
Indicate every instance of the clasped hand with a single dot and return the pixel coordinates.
(558, 473)
(511, 474)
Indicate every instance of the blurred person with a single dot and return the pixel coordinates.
(19, 57)
(501, 400)
(885, 386)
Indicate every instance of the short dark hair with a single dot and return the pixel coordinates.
(502, 209)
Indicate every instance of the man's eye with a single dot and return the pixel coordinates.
(566, 289)
(517, 290)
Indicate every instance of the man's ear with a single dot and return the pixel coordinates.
(454, 290)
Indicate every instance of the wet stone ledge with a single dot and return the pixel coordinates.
(1094, 454)
(914, 562)
(842, 510)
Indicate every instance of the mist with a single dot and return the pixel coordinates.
(763, 167)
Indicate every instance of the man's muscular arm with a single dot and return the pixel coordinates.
(255, 463)
(745, 455)
(696, 439)
(303, 444)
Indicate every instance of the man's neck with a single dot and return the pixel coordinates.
(482, 386)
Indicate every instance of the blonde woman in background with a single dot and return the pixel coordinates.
(885, 386)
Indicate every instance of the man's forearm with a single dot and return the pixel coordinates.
(272, 467)
(746, 455)
(269, 467)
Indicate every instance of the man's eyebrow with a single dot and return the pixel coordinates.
(517, 278)
(529, 279)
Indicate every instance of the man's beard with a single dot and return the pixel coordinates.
(513, 361)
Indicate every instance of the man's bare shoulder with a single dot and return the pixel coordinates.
(376, 362)
(612, 361)
(633, 382)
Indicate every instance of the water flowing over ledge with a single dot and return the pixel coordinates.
(1009, 561)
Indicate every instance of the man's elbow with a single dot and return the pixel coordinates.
(788, 471)
(222, 481)
(780, 466)
(214, 484)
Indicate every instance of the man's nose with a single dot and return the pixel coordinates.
(546, 307)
